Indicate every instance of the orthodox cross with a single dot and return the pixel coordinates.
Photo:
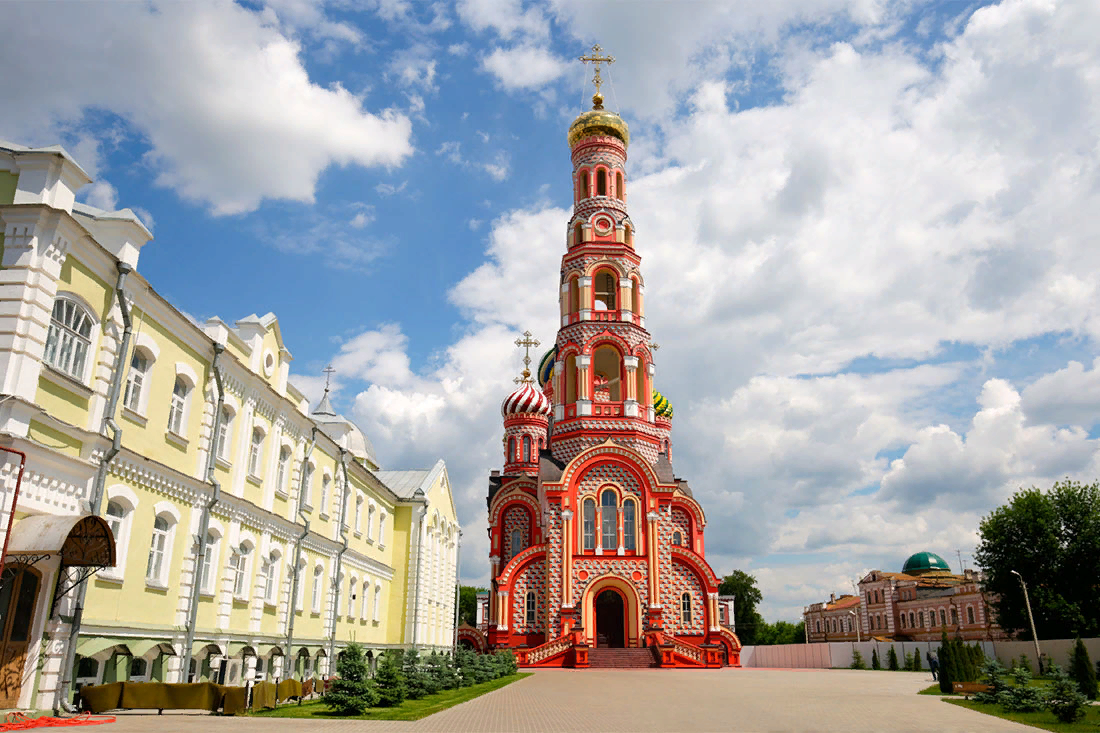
(597, 57)
(526, 343)
(653, 345)
(328, 372)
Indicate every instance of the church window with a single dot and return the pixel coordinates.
(620, 192)
(589, 524)
(582, 184)
(969, 614)
(511, 450)
(577, 234)
(526, 448)
(607, 374)
(574, 295)
(571, 378)
(607, 286)
(630, 541)
(517, 542)
(685, 608)
(530, 608)
(677, 538)
(601, 182)
(609, 520)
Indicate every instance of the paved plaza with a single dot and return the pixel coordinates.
(609, 701)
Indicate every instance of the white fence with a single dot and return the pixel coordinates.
(839, 653)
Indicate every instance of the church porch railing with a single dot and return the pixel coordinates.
(545, 653)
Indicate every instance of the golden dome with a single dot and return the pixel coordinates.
(598, 121)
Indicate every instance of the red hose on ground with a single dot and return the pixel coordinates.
(20, 721)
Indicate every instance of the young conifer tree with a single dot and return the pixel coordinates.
(390, 680)
(353, 691)
(1080, 668)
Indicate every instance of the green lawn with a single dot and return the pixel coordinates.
(408, 710)
(1044, 719)
(934, 689)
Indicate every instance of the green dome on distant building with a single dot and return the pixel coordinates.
(924, 562)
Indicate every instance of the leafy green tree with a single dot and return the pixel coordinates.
(781, 632)
(1050, 538)
(467, 604)
(742, 587)
(1081, 669)
(892, 659)
(352, 692)
(390, 680)
(418, 681)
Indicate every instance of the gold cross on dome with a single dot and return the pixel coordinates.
(597, 57)
(526, 343)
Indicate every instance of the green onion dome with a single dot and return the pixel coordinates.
(661, 405)
(545, 372)
(924, 562)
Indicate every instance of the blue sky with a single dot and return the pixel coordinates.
(867, 228)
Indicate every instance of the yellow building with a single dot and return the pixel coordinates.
(174, 472)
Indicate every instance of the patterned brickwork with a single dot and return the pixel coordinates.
(603, 473)
(681, 521)
(676, 578)
(584, 331)
(553, 565)
(533, 578)
(566, 449)
(516, 517)
(624, 568)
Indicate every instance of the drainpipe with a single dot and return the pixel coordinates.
(458, 591)
(204, 521)
(298, 545)
(339, 559)
(96, 499)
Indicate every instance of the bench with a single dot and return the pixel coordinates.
(966, 689)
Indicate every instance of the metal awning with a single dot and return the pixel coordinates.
(141, 647)
(90, 646)
(241, 648)
(200, 646)
(82, 540)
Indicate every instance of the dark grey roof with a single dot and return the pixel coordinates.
(663, 468)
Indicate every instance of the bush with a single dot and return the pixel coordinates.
(1024, 663)
(1065, 700)
(1081, 669)
(390, 681)
(442, 671)
(418, 682)
(353, 691)
(506, 662)
(892, 659)
(994, 675)
(875, 663)
(1022, 698)
(465, 665)
(857, 660)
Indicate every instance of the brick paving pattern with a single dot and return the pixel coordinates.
(577, 701)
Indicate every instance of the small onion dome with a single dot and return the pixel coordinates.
(924, 562)
(598, 121)
(545, 372)
(526, 399)
(661, 405)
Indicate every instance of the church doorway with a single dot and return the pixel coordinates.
(610, 620)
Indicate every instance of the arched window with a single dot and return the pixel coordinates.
(115, 514)
(516, 542)
(315, 595)
(282, 473)
(358, 515)
(307, 484)
(954, 616)
(582, 184)
(177, 410)
(370, 523)
(351, 598)
(526, 448)
(620, 192)
(377, 600)
(601, 182)
(578, 234)
(607, 372)
(911, 619)
(685, 608)
(326, 482)
(902, 619)
(817, 626)
(609, 520)
(607, 290)
(256, 451)
(135, 381)
(943, 618)
(630, 541)
(209, 560)
(155, 567)
(225, 431)
(270, 571)
(69, 338)
(570, 379)
(589, 524)
(677, 538)
(834, 625)
(574, 295)
(239, 567)
(969, 614)
(511, 450)
(530, 608)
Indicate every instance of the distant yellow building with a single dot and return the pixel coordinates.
(176, 468)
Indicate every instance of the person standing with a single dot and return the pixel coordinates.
(933, 664)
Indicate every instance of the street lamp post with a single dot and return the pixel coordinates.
(1031, 620)
(856, 617)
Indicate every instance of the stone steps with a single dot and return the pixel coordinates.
(620, 658)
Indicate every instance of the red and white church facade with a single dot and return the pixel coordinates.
(595, 543)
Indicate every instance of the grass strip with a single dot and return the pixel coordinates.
(1044, 719)
(408, 710)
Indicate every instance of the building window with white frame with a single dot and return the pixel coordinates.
(370, 522)
(225, 434)
(377, 600)
(135, 381)
(268, 571)
(530, 608)
(326, 484)
(382, 528)
(589, 525)
(307, 485)
(364, 606)
(359, 516)
(282, 472)
(351, 599)
(69, 339)
(177, 412)
(116, 513)
(609, 520)
(154, 569)
(207, 577)
(630, 540)
(685, 609)
(256, 452)
(315, 596)
(239, 566)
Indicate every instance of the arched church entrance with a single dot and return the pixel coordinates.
(610, 620)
